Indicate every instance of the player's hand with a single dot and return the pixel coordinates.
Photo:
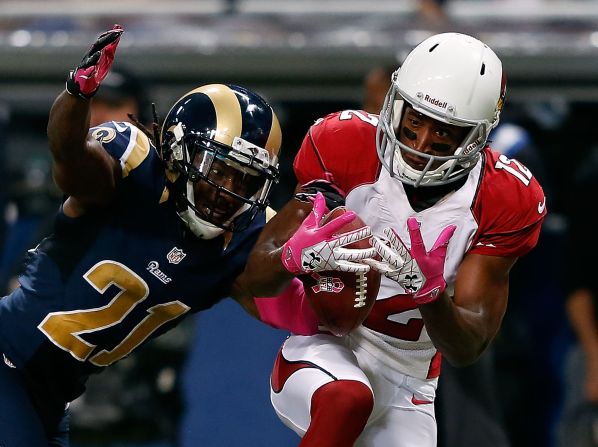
(85, 80)
(418, 271)
(314, 248)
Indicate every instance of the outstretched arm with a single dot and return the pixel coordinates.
(82, 168)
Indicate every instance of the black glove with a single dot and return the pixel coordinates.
(333, 194)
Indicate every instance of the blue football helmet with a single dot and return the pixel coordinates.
(221, 145)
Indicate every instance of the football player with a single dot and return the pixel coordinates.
(152, 228)
(449, 217)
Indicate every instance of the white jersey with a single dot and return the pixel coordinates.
(498, 212)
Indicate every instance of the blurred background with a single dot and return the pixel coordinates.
(206, 383)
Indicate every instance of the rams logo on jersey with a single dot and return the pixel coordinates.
(104, 134)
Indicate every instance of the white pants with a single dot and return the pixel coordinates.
(403, 414)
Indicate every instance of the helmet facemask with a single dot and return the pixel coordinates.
(221, 187)
(451, 167)
(454, 79)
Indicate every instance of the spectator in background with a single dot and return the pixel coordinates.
(29, 200)
(527, 348)
(579, 420)
(4, 113)
(432, 11)
(122, 93)
(375, 86)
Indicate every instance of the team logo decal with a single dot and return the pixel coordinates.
(104, 134)
(175, 255)
(310, 260)
(154, 268)
(327, 284)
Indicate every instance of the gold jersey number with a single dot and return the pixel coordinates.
(65, 329)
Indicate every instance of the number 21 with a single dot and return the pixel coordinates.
(64, 329)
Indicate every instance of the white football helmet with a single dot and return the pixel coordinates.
(453, 78)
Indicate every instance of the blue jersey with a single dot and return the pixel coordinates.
(104, 283)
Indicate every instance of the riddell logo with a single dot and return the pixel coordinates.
(436, 102)
(470, 147)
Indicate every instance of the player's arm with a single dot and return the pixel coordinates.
(267, 290)
(81, 167)
(299, 240)
(288, 310)
(462, 326)
(264, 274)
(581, 312)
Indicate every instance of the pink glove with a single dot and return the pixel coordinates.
(85, 80)
(314, 248)
(417, 271)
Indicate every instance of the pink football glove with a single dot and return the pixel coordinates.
(417, 271)
(85, 80)
(314, 248)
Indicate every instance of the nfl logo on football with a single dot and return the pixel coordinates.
(327, 284)
(175, 255)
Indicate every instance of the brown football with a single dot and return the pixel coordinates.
(342, 300)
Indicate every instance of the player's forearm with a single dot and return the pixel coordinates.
(69, 117)
(264, 273)
(68, 126)
(581, 312)
(460, 334)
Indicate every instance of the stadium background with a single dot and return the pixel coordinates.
(308, 58)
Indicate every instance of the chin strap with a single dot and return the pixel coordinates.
(200, 228)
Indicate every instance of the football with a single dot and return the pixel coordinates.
(342, 300)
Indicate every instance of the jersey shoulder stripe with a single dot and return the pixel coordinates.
(138, 158)
(125, 142)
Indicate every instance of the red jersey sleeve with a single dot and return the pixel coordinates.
(509, 208)
(340, 148)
